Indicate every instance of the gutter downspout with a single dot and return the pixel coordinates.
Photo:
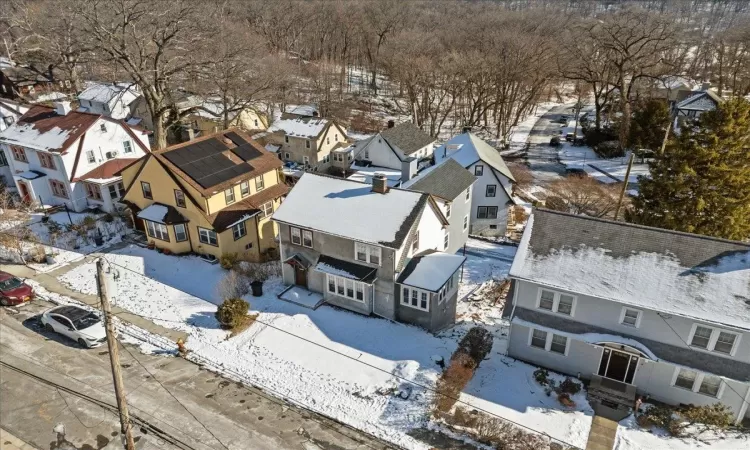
(743, 408)
(257, 238)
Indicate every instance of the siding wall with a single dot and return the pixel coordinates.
(479, 198)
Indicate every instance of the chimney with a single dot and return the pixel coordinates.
(62, 108)
(391, 124)
(408, 168)
(379, 183)
(705, 86)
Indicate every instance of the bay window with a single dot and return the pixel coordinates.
(346, 287)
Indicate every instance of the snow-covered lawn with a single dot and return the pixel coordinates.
(630, 436)
(364, 371)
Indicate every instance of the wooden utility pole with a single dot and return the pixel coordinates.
(114, 358)
(625, 184)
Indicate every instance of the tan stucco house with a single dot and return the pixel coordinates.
(212, 196)
(308, 141)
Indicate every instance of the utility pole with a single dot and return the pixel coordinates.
(114, 358)
(624, 185)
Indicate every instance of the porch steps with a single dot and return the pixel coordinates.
(301, 297)
(602, 434)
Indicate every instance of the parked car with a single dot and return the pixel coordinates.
(76, 323)
(13, 291)
(569, 137)
(554, 141)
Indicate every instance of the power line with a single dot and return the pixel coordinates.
(423, 386)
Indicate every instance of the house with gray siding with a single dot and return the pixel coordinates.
(369, 248)
(638, 311)
(394, 145)
(449, 184)
(492, 192)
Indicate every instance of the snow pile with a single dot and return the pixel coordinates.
(630, 436)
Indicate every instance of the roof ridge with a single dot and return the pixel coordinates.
(643, 227)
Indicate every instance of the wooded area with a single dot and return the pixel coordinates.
(445, 64)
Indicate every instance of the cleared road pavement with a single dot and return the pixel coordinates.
(541, 157)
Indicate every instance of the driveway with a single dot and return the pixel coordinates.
(46, 380)
(541, 157)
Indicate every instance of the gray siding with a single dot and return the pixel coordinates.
(440, 315)
(484, 227)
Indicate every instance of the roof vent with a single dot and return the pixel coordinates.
(62, 108)
(379, 183)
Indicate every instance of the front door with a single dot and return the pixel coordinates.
(24, 190)
(618, 366)
(300, 276)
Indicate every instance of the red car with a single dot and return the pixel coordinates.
(13, 291)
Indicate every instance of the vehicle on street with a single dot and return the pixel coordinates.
(13, 291)
(554, 141)
(569, 137)
(76, 323)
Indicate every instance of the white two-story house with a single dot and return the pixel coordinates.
(115, 100)
(62, 157)
(492, 193)
(635, 310)
(370, 249)
(10, 112)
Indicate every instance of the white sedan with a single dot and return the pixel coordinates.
(83, 326)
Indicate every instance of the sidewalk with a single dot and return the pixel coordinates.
(8, 441)
(602, 434)
(49, 281)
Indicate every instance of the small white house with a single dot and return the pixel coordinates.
(58, 156)
(10, 112)
(114, 100)
(391, 147)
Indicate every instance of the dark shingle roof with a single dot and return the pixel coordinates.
(446, 181)
(407, 137)
(362, 273)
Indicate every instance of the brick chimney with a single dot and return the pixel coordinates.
(62, 108)
(379, 183)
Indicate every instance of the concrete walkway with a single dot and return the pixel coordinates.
(8, 441)
(50, 282)
(602, 434)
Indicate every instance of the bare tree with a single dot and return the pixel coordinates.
(583, 195)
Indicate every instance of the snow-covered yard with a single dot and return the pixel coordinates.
(632, 437)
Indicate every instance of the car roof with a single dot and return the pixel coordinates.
(5, 276)
(71, 312)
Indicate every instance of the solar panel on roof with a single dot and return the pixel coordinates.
(247, 152)
(205, 163)
(236, 138)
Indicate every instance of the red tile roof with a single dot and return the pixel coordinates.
(107, 170)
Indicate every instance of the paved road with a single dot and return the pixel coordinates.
(541, 157)
(46, 380)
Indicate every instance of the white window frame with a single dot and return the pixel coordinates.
(699, 377)
(127, 147)
(468, 194)
(204, 236)
(305, 234)
(229, 197)
(447, 210)
(90, 156)
(260, 183)
(625, 309)
(446, 239)
(715, 331)
(295, 235)
(157, 230)
(357, 286)
(177, 233)
(419, 293)
(548, 341)
(556, 302)
(479, 168)
(266, 209)
(369, 251)
(466, 222)
(244, 189)
(306, 160)
(239, 230)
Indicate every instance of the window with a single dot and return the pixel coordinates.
(487, 212)
(244, 189)
(304, 237)
(700, 383)
(180, 232)
(259, 183)
(416, 298)
(266, 209)
(710, 385)
(67, 84)
(19, 154)
(286, 139)
(286, 155)
(630, 317)
(157, 230)
(556, 302)
(146, 188)
(685, 378)
(229, 195)
(207, 236)
(478, 170)
(103, 126)
(296, 235)
(446, 240)
(93, 191)
(116, 190)
(466, 222)
(367, 153)
(415, 243)
(126, 147)
(491, 190)
(179, 198)
(307, 143)
(239, 230)
(346, 287)
(32, 91)
(90, 157)
(306, 160)
(255, 123)
(558, 344)
(716, 340)
(468, 194)
(336, 137)
(3, 159)
(367, 253)
(328, 140)
(58, 188)
(539, 339)
(46, 160)
(447, 210)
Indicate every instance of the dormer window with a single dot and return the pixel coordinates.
(103, 127)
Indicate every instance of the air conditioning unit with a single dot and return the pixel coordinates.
(111, 155)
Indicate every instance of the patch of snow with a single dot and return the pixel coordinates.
(433, 270)
(153, 213)
(302, 297)
(323, 267)
(300, 127)
(484, 261)
(365, 174)
(27, 135)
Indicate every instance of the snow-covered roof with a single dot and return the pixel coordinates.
(30, 175)
(273, 148)
(159, 213)
(430, 270)
(106, 92)
(351, 209)
(306, 127)
(42, 128)
(303, 110)
(467, 149)
(365, 174)
(346, 269)
(682, 274)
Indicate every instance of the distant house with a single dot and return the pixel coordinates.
(308, 141)
(10, 112)
(301, 112)
(58, 156)
(115, 100)
(635, 310)
(696, 104)
(370, 249)
(491, 194)
(449, 184)
(673, 89)
(213, 195)
(21, 82)
(391, 147)
(208, 116)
